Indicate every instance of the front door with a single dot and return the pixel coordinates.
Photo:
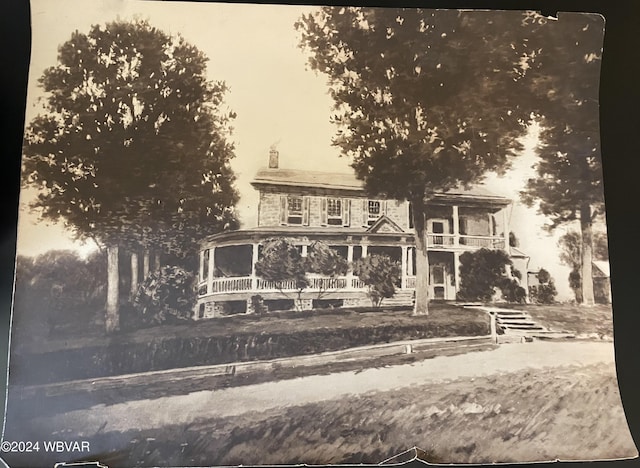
(437, 281)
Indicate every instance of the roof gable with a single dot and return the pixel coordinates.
(384, 224)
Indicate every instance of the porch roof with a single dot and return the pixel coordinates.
(265, 232)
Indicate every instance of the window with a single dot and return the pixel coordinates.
(374, 210)
(334, 211)
(294, 210)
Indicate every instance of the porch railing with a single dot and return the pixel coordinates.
(247, 283)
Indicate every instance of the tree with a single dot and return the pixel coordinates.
(132, 150)
(324, 261)
(571, 255)
(380, 274)
(545, 291)
(425, 100)
(484, 271)
(282, 263)
(565, 73)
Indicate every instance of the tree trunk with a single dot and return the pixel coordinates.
(134, 274)
(421, 305)
(112, 319)
(587, 255)
(156, 261)
(145, 264)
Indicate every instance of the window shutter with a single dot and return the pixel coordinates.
(305, 211)
(365, 212)
(283, 209)
(346, 211)
(323, 212)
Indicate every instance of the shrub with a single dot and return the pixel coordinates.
(380, 274)
(484, 271)
(167, 295)
(545, 292)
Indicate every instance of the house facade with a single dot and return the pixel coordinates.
(309, 206)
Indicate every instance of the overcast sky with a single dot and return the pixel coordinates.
(278, 100)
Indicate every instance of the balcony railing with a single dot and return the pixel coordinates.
(437, 240)
(482, 241)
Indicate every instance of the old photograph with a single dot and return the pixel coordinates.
(282, 234)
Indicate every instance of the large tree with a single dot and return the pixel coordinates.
(565, 73)
(425, 100)
(132, 149)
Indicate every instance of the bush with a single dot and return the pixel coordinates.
(167, 295)
(484, 271)
(545, 292)
(380, 274)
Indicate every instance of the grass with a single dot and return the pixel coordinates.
(441, 316)
(565, 413)
(234, 339)
(577, 319)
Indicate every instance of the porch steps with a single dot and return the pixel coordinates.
(400, 298)
(520, 323)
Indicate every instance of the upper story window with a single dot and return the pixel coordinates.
(374, 211)
(334, 212)
(294, 209)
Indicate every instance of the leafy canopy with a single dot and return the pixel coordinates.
(380, 274)
(425, 100)
(566, 74)
(133, 145)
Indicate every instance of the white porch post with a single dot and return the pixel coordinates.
(305, 250)
(456, 225)
(349, 266)
(404, 267)
(254, 259)
(211, 268)
(410, 251)
(456, 270)
(505, 227)
(364, 250)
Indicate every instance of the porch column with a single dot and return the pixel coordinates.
(403, 283)
(456, 225)
(505, 227)
(305, 250)
(211, 269)
(410, 251)
(254, 259)
(456, 270)
(349, 266)
(364, 250)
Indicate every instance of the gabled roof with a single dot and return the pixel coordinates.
(603, 269)
(348, 181)
(384, 224)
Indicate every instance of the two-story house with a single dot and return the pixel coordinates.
(308, 206)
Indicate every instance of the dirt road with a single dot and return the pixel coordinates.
(183, 409)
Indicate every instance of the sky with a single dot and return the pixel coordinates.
(278, 100)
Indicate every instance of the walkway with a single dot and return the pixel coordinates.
(185, 409)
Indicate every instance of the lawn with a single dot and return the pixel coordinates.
(566, 413)
(573, 318)
(232, 339)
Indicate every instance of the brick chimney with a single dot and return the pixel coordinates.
(273, 158)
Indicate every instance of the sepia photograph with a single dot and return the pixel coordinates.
(256, 234)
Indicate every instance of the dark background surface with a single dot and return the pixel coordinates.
(620, 89)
